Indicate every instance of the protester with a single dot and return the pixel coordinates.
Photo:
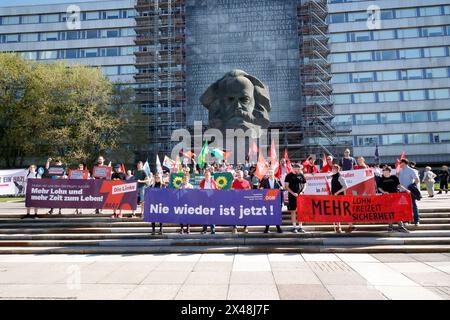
(118, 175)
(391, 184)
(361, 164)
(100, 163)
(130, 175)
(309, 165)
(142, 179)
(81, 167)
(327, 167)
(58, 163)
(443, 180)
(272, 183)
(347, 162)
(32, 174)
(409, 179)
(295, 184)
(208, 183)
(240, 184)
(158, 184)
(186, 185)
(428, 179)
(338, 188)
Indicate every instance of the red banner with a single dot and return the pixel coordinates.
(392, 207)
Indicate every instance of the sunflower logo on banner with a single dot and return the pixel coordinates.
(221, 182)
(176, 181)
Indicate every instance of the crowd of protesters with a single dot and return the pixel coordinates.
(388, 180)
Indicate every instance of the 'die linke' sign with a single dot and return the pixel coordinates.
(224, 207)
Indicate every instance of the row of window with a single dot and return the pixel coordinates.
(392, 96)
(63, 17)
(435, 31)
(118, 70)
(410, 138)
(389, 75)
(391, 117)
(393, 54)
(67, 35)
(78, 53)
(388, 14)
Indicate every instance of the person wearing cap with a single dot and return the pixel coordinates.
(295, 184)
(271, 182)
(118, 175)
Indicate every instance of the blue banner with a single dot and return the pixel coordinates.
(221, 207)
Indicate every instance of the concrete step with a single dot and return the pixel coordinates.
(336, 241)
(228, 249)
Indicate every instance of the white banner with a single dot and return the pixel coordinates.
(359, 182)
(12, 182)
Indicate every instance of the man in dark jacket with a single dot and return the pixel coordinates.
(272, 182)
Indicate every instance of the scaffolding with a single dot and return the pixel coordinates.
(319, 135)
(160, 64)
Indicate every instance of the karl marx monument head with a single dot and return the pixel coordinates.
(237, 100)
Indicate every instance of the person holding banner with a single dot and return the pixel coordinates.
(158, 183)
(361, 164)
(338, 187)
(208, 183)
(100, 163)
(186, 185)
(240, 184)
(58, 166)
(391, 184)
(272, 183)
(347, 162)
(118, 175)
(82, 169)
(142, 179)
(309, 165)
(328, 166)
(32, 174)
(409, 179)
(295, 183)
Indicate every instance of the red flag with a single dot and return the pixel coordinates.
(273, 158)
(123, 168)
(324, 160)
(261, 167)
(397, 162)
(288, 162)
(252, 152)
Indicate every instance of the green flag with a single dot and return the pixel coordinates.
(201, 160)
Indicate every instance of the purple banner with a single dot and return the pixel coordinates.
(221, 207)
(67, 193)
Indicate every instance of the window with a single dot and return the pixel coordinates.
(412, 74)
(47, 18)
(337, 18)
(45, 55)
(29, 37)
(131, 13)
(361, 56)
(392, 117)
(49, 36)
(72, 35)
(339, 57)
(447, 10)
(432, 31)
(435, 52)
(387, 14)
(436, 94)
(112, 33)
(441, 137)
(389, 96)
(11, 20)
(436, 73)
(409, 53)
(112, 52)
(386, 55)
(393, 139)
(12, 38)
(112, 14)
(92, 15)
(338, 37)
(385, 34)
(110, 71)
(414, 95)
(408, 33)
(440, 115)
(342, 99)
(387, 75)
(340, 78)
(128, 32)
(358, 16)
(32, 55)
(127, 70)
(369, 118)
(362, 77)
(417, 138)
(91, 34)
(430, 11)
(406, 13)
(71, 54)
(364, 97)
(90, 53)
(418, 116)
(367, 140)
(360, 36)
(342, 119)
(127, 51)
(30, 19)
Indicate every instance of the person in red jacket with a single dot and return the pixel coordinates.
(240, 184)
(361, 164)
(328, 167)
(208, 183)
(309, 166)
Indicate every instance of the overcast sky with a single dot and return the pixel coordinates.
(8, 3)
